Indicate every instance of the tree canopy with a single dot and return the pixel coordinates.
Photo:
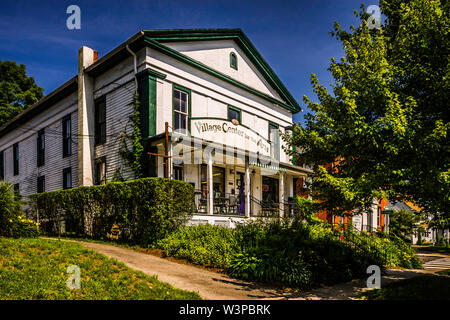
(17, 90)
(385, 125)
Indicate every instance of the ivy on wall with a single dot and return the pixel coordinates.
(133, 155)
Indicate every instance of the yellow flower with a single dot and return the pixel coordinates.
(10, 220)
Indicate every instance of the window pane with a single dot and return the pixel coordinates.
(176, 103)
(177, 120)
(233, 114)
(183, 102)
(182, 121)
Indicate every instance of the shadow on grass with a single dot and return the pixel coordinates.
(426, 287)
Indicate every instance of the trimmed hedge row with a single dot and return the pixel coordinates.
(144, 209)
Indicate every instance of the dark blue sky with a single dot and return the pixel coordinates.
(293, 36)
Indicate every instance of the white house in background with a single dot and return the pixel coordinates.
(210, 84)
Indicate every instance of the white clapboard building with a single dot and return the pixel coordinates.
(223, 104)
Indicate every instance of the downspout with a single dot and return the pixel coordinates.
(135, 67)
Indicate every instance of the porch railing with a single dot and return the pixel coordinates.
(223, 203)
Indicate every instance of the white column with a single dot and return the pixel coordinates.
(210, 187)
(281, 193)
(247, 189)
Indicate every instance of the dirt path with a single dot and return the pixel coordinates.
(216, 286)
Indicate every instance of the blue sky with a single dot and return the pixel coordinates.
(293, 36)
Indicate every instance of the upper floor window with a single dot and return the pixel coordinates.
(100, 121)
(41, 148)
(67, 178)
(233, 60)
(178, 173)
(100, 171)
(2, 165)
(274, 138)
(234, 113)
(180, 109)
(16, 159)
(67, 136)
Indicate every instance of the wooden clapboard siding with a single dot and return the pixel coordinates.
(26, 137)
(118, 112)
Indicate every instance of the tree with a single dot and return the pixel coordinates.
(385, 126)
(17, 90)
(404, 223)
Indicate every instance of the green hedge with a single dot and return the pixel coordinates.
(144, 209)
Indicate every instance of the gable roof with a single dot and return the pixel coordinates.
(156, 38)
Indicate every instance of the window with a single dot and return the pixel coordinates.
(16, 159)
(2, 165)
(100, 121)
(178, 172)
(100, 170)
(41, 184)
(67, 178)
(17, 191)
(41, 148)
(234, 113)
(180, 109)
(274, 138)
(67, 136)
(233, 60)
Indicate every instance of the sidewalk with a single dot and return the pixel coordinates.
(211, 285)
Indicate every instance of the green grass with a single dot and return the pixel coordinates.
(36, 269)
(444, 272)
(427, 287)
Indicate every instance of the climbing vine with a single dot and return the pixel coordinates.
(134, 155)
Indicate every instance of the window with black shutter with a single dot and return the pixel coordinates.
(67, 136)
(16, 159)
(100, 121)
(67, 178)
(41, 184)
(41, 148)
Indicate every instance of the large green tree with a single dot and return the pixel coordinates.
(385, 125)
(17, 90)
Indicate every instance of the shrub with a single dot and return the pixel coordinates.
(9, 206)
(442, 242)
(145, 210)
(20, 227)
(207, 245)
(12, 224)
(289, 252)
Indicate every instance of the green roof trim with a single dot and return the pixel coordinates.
(154, 38)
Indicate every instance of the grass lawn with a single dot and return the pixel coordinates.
(36, 269)
(445, 272)
(427, 287)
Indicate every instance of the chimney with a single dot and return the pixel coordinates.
(86, 57)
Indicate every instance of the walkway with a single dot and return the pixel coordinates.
(437, 264)
(212, 285)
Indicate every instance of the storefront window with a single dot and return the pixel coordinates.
(270, 190)
(218, 180)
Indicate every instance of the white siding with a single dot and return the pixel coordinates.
(26, 137)
(118, 112)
